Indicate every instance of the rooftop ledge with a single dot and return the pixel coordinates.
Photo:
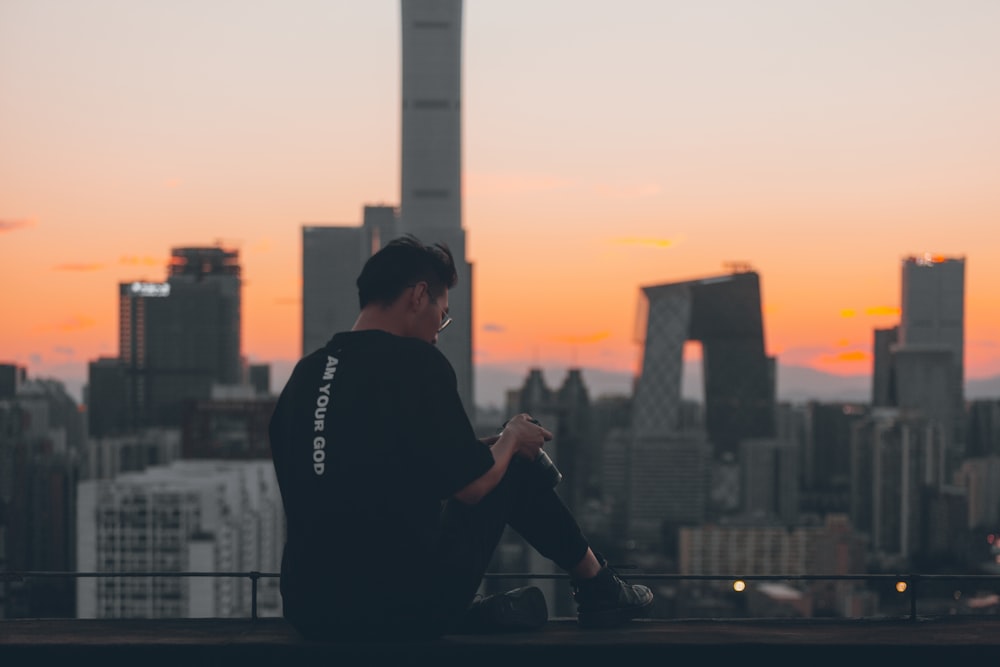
(271, 641)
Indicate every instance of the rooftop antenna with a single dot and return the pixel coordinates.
(736, 266)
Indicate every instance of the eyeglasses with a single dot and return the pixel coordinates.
(445, 317)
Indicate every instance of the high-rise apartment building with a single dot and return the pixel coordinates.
(883, 380)
(179, 338)
(983, 428)
(189, 516)
(897, 466)
(228, 428)
(833, 548)
(919, 365)
(566, 412)
(768, 549)
(11, 377)
(932, 332)
(770, 478)
(826, 456)
(41, 436)
(980, 478)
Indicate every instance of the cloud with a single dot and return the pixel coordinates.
(483, 184)
(76, 323)
(494, 328)
(628, 191)
(70, 324)
(883, 310)
(132, 260)
(583, 339)
(807, 355)
(647, 242)
(873, 311)
(12, 225)
(65, 351)
(848, 356)
(82, 267)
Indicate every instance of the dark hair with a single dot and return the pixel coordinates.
(401, 263)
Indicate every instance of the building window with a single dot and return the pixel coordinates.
(431, 104)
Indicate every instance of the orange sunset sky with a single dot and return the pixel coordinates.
(606, 146)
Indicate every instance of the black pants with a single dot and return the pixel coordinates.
(435, 594)
(526, 502)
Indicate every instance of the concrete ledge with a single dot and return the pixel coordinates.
(238, 642)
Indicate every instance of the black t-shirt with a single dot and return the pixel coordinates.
(368, 437)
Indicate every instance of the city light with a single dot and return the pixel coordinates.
(150, 289)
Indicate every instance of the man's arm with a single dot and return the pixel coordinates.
(521, 436)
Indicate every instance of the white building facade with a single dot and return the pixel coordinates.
(190, 516)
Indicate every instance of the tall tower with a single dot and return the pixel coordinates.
(431, 178)
(671, 465)
(933, 308)
(724, 314)
(929, 357)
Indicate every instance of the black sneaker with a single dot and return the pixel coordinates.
(606, 601)
(511, 611)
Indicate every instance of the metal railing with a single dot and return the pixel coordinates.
(908, 583)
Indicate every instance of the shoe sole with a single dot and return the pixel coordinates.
(522, 609)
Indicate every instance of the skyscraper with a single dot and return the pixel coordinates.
(332, 257)
(896, 470)
(933, 313)
(671, 466)
(724, 314)
(928, 359)
(430, 196)
(883, 382)
(431, 178)
(41, 438)
(933, 305)
(179, 338)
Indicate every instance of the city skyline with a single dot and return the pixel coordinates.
(821, 144)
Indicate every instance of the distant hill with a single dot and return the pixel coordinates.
(796, 384)
(983, 388)
(799, 384)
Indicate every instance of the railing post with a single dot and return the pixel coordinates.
(254, 576)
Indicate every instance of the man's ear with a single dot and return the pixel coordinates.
(417, 295)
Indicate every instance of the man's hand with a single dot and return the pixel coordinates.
(520, 436)
(528, 435)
